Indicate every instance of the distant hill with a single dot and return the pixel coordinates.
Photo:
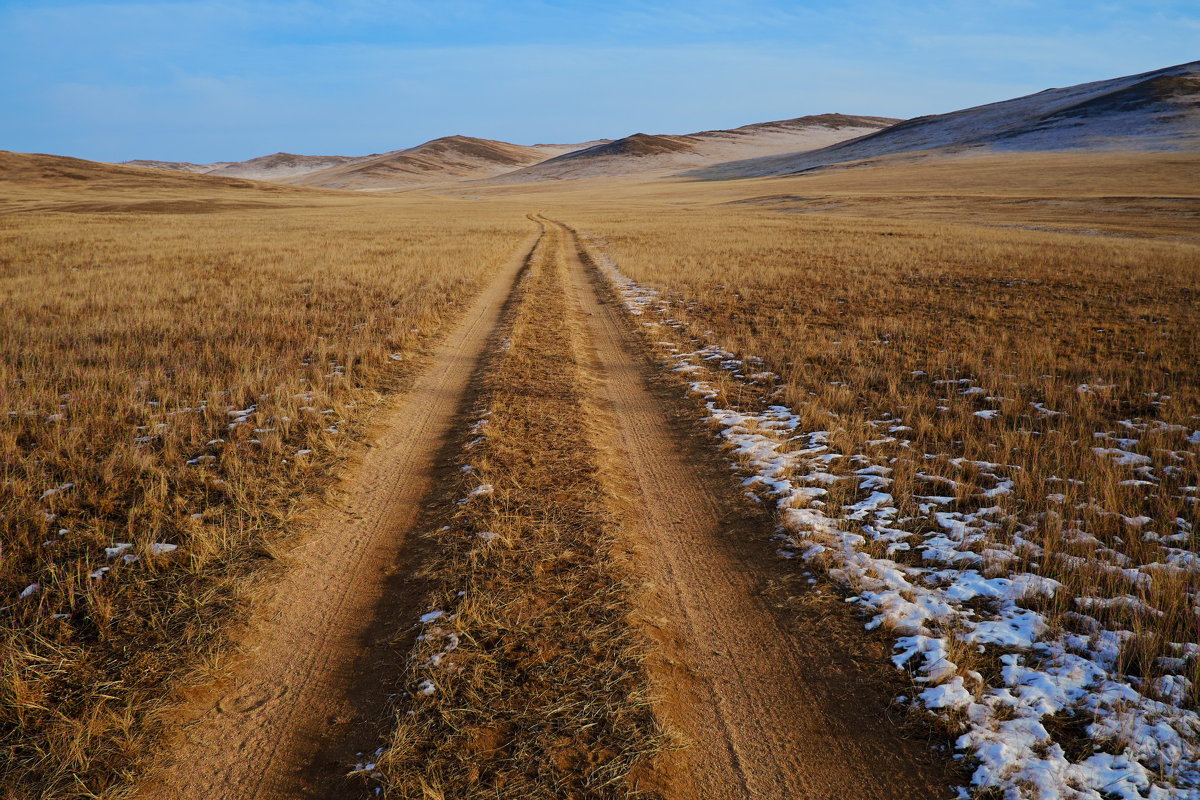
(280, 166)
(463, 158)
(1157, 110)
(652, 154)
(560, 149)
(176, 166)
(36, 181)
(274, 167)
(39, 168)
(448, 158)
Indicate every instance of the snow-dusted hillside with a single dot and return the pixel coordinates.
(174, 166)
(447, 159)
(280, 166)
(647, 154)
(1153, 110)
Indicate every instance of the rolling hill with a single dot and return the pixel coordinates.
(466, 158)
(448, 158)
(37, 181)
(1157, 110)
(281, 166)
(661, 154)
(175, 166)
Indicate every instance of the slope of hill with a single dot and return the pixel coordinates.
(1153, 110)
(448, 158)
(274, 167)
(36, 181)
(175, 166)
(280, 166)
(41, 169)
(560, 149)
(649, 154)
(785, 130)
(464, 158)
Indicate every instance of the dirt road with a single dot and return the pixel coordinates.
(767, 698)
(765, 709)
(306, 693)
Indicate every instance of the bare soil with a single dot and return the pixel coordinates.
(528, 684)
(765, 705)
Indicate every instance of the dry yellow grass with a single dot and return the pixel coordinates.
(1006, 399)
(896, 334)
(184, 380)
(1151, 194)
(183, 359)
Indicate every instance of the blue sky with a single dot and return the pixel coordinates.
(206, 80)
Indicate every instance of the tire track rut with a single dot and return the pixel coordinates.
(765, 709)
(305, 692)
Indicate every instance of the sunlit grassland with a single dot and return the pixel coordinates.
(1066, 361)
(189, 380)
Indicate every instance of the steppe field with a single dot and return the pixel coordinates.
(872, 481)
